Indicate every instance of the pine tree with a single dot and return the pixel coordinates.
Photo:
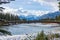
(59, 6)
(41, 36)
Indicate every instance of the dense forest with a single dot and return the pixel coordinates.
(56, 19)
(9, 17)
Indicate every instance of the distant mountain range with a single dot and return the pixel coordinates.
(29, 17)
(34, 17)
(51, 15)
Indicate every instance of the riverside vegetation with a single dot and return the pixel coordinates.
(42, 36)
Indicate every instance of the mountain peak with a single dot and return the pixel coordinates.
(34, 17)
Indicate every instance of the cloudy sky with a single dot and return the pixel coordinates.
(31, 7)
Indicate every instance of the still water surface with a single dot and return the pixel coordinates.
(30, 28)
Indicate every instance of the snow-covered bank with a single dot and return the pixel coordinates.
(18, 37)
(23, 37)
(51, 24)
(14, 37)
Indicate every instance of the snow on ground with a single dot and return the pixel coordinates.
(23, 37)
(18, 37)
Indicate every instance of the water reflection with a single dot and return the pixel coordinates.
(4, 32)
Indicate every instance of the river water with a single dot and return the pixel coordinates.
(21, 29)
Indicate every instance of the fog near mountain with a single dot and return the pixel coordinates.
(51, 15)
(34, 17)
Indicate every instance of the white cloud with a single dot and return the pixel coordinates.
(22, 11)
(38, 12)
(33, 12)
(10, 10)
(46, 0)
(20, 8)
(51, 0)
(53, 3)
(29, 2)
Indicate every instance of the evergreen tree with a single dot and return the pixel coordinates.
(41, 36)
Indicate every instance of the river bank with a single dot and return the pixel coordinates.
(16, 23)
(24, 37)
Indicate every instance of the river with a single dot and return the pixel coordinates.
(22, 29)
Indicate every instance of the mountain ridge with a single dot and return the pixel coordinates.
(34, 17)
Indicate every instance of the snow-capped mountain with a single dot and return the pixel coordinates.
(29, 17)
(50, 15)
(34, 17)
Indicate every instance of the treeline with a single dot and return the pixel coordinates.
(55, 19)
(9, 17)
